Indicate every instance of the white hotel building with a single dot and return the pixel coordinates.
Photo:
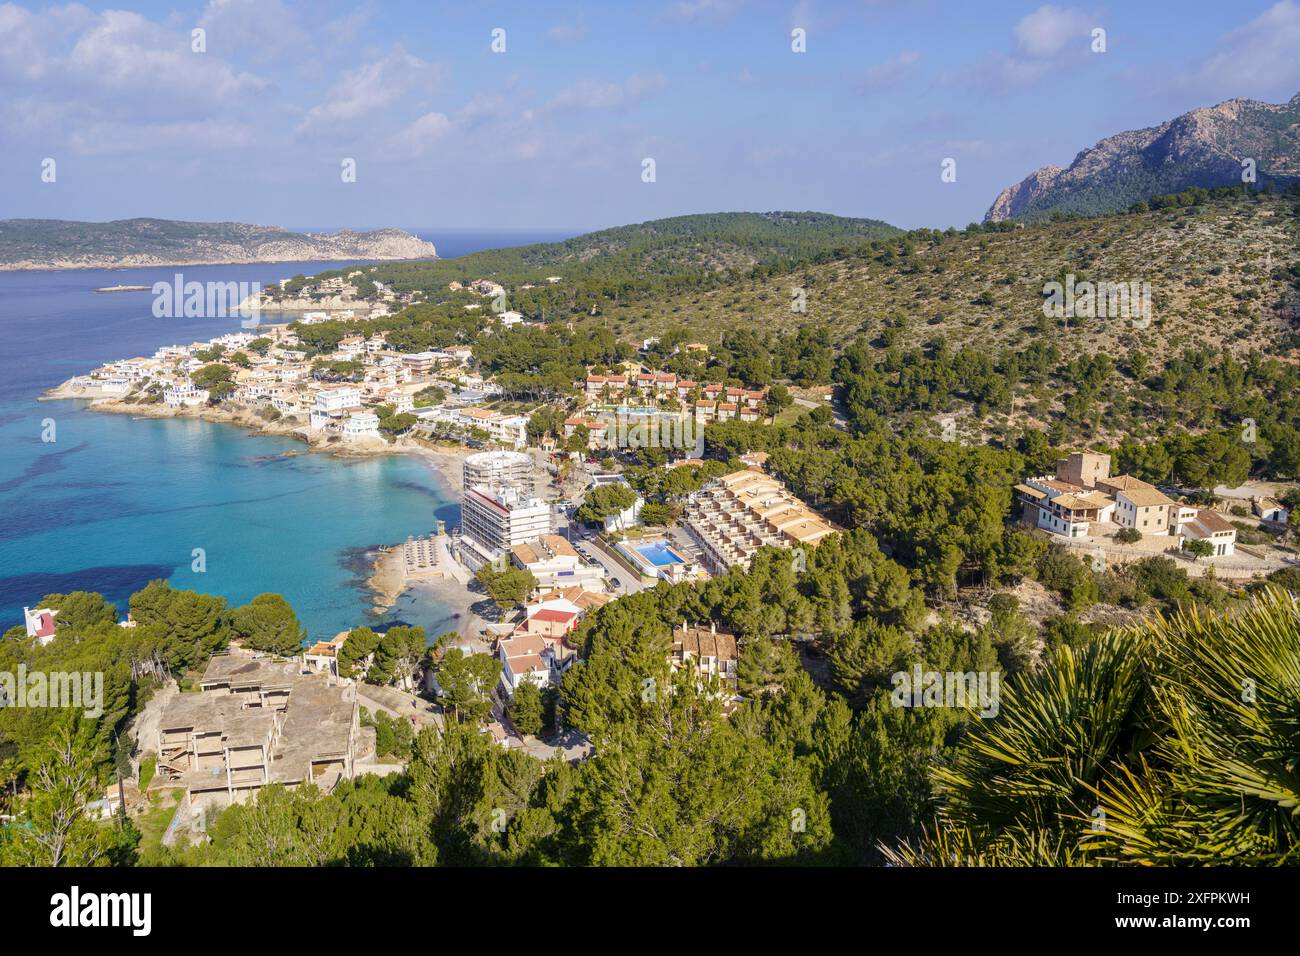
(494, 519)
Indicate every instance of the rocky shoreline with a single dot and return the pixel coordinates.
(52, 244)
(149, 262)
(445, 459)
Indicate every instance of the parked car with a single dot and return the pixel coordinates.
(616, 582)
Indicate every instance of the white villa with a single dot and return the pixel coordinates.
(185, 395)
(40, 624)
(361, 425)
(1083, 500)
(333, 402)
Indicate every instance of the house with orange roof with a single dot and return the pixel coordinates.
(1084, 499)
(323, 656)
(524, 657)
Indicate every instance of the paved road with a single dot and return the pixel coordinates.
(837, 420)
(628, 583)
(570, 745)
(1238, 565)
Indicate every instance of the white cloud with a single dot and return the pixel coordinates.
(1044, 40)
(1048, 30)
(27, 40)
(115, 58)
(590, 95)
(890, 73)
(346, 26)
(1258, 58)
(116, 82)
(263, 27)
(362, 93)
(125, 56)
(416, 138)
(484, 107)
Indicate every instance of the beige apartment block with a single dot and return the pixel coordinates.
(737, 514)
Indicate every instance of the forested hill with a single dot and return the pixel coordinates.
(681, 251)
(726, 240)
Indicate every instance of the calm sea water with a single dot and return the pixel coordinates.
(115, 502)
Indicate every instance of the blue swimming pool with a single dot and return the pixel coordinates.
(659, 554)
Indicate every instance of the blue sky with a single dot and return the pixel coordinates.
(552, 133)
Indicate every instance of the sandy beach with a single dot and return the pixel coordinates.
(388, 580)
(446, 460)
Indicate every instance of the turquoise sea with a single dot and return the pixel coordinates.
(115, 502)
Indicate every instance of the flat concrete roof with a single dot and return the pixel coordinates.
(316, 720)
(245, 671)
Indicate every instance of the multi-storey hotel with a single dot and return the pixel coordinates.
(495, 518)
(737, 514)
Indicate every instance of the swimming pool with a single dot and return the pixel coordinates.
(659, 554)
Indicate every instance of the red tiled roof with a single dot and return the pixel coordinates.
(526, 664)
(522, 645)
(554, 616)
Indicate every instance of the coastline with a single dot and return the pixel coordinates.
(75, 265)
(387, 580)
(444, 459)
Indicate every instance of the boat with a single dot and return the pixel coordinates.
(124, 288)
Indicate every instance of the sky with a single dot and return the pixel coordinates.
(541, 116)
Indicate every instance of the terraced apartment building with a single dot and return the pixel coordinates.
(735, 515)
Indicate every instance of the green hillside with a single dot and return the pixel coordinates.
(684, 251)
(1220, 272)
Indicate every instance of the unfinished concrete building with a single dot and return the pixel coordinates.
(256, 722)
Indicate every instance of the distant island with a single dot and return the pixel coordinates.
(134, 243)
